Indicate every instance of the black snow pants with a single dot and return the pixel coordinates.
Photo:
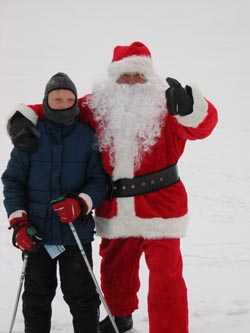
(77, 286)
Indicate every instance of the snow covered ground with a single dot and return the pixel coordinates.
(196, 41)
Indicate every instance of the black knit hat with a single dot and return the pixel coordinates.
(67, 116)
(60, 81)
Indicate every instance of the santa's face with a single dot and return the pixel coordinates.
(130, 116)
(131, 78)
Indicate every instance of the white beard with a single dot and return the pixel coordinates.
(130, 119)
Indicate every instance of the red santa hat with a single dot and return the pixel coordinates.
(134, 58)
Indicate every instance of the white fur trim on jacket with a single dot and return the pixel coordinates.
(123, 227)
(88, 201)
(199, 113)
(133, 64)
(26, 111)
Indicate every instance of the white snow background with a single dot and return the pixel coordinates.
(202, 42)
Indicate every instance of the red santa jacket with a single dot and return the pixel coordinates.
(159, 214)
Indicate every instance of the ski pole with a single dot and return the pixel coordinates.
(25, 260)
(93, 276)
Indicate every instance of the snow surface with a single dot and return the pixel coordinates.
(195, 41)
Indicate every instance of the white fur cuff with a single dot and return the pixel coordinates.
(199, 113)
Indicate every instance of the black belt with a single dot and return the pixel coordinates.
(130, 187)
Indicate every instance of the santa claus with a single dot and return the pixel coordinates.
(142, 128)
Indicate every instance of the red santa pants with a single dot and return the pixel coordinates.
(167, 292)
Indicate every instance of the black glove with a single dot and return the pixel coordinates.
(179, 100)
(23, 133)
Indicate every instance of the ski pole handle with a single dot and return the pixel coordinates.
(61, 198)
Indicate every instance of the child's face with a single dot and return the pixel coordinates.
(61, 99)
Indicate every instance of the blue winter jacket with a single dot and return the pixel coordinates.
(66, 161)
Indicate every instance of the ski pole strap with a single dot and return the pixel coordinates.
(129, 187)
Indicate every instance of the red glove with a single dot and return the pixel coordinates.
(24, 235)
(69, 208)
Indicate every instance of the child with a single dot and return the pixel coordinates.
(66, 164)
